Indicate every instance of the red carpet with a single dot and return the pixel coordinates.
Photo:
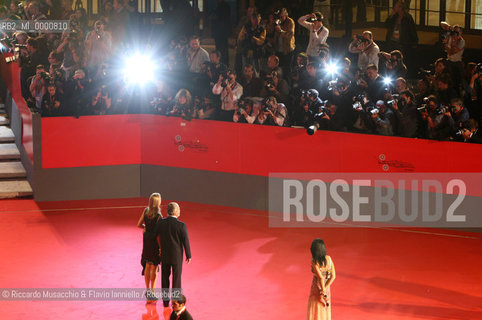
(241, 268)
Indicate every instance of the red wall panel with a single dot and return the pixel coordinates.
(10, 74)
(90, 141)
(241, 148)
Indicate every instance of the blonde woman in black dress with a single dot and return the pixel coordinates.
(150, 259)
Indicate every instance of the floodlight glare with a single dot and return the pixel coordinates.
(387, 81)
(138, 69)
(332, 68)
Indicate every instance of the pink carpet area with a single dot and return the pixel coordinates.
(241, 268)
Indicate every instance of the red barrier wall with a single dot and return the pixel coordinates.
(10, 74)
(241, 148)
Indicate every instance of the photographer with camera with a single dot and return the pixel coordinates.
(72, 50)
(182, 105)
(454, 46)
(302, 115)
(15, 10)
(401, 33)
(57, 77)
(52, 103)
(313, 80)
(78, 93)
(250, 41)
(366, 48)
(204, 109)
(469, 132)
(215, 67)
(474, 93)
(275, 86)
(101, 101)
(272, 113)
(29, 58)
(252, 85)
(445, 91)
(38, 86)
(362, 115)
(381, 118)
(298, 70)
(454, 116)
(318, 34)
(230, 91)
(405, 110)
(324, 118)
(431, 116)
(98, 45)
(34, 13)
(392, 65)
(245, 111)
(196, 55)
(284, 39)
(373, 84)
(341, 94)
(459, 113)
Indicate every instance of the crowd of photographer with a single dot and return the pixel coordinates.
(76, 73)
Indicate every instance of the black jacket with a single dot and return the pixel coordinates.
(174, 239)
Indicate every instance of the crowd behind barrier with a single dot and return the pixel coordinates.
(82, 72)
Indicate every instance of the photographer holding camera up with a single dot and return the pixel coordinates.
(97, 49)
(284, 39)
(52, 105)
(72, 50)
(454, 46)
(245, 111)
(366, 48)
(318, 34)
(453, 119)
(38, 86)
(230, 92)
(250, 41)
(272, 113)
(275, 86)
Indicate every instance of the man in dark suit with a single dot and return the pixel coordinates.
(174, 240)
(179, 311)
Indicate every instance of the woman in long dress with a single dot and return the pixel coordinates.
(323, 269)
(150, 258)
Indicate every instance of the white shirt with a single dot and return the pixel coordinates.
(367, 54)
(227, 104)
(195, 59)
(317, 37)
(460, 44)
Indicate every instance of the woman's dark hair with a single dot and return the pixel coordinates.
(318, 251)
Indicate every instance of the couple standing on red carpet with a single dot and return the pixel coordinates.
(164, 242)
